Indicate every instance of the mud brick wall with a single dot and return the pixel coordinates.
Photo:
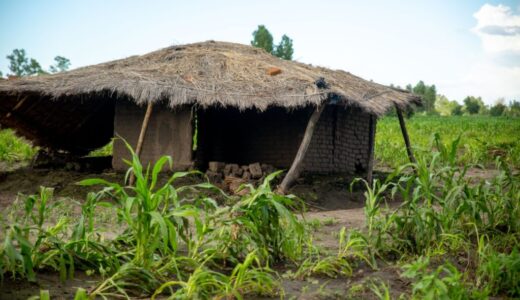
(168, 133)
(341, 142)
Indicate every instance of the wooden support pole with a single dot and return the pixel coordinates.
(140, 140)
(405, 135)
(371, 142)
(17, 106)
(295, 169)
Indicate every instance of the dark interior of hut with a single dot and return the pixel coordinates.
(76, 125)
(244, 137)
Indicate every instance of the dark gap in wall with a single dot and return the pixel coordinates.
(243, 137)
(370, 137)
(334, 128)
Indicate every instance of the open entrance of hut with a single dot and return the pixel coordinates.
(244, 137)
(341, 142)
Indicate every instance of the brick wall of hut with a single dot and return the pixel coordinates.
(341, 142)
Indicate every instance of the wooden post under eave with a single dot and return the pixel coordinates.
(295, 169)
(371, 142)
(405, 135)
(140, 140)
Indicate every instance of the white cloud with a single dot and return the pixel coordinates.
(492, 81)
(499, 28)
(496, 73)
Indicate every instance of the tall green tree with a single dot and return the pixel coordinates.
(514, 109)
(499, 108)
(473, 105)
(21, 65)
(262, 38)
(457, 110)
(419, 88)
(428, 95)
(61, 64)
(445, 107)
(284, 50)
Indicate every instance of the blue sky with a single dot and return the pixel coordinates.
(464, 47)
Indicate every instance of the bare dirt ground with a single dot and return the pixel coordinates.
(331, 205)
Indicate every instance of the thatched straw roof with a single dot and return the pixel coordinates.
(208, 73)
(215, 73)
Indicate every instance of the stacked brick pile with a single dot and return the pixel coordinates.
(218, 171)
(232, 176)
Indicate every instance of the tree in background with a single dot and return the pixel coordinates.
(498, 109)
(21, 65)
(445, 107)
(457, 110)
(428, 95)
(284, 50)
(262, 38)
(514, 109)
(474, 105)
(61, 64)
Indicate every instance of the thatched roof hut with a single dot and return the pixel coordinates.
(74, 110)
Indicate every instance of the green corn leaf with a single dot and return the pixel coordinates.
(158, 219)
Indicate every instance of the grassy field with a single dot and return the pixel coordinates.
(482, 138)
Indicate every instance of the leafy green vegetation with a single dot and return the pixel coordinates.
(13, 148)
(174, 242)
(444, 214)
(482, 139)
(21, 65)
(445, 282)
(103, 151)
(262, 38)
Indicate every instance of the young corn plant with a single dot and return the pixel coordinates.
(498, 273)
(445, 282)
(157, 220)
(247, 278)
(30, 244)
(261, 220)
(381, 290)
(352, 249)
(129, 281)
